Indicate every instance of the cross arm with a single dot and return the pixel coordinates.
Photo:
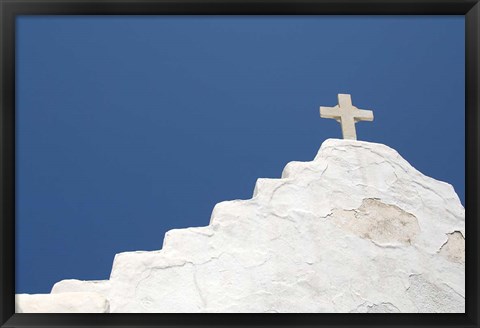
(363, 115)
(329, 112)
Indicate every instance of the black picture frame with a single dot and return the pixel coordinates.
(10, 9)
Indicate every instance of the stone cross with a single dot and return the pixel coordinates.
(347, 115)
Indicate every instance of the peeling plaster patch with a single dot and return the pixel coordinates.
(431, 298)
(379, 222)
(383, 308)
(454, 247)
(368, 307)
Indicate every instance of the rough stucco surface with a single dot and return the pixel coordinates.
(357, 229)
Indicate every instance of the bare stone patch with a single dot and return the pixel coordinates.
(381, 223)
(454, 247)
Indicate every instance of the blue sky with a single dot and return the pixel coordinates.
(130, 126)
